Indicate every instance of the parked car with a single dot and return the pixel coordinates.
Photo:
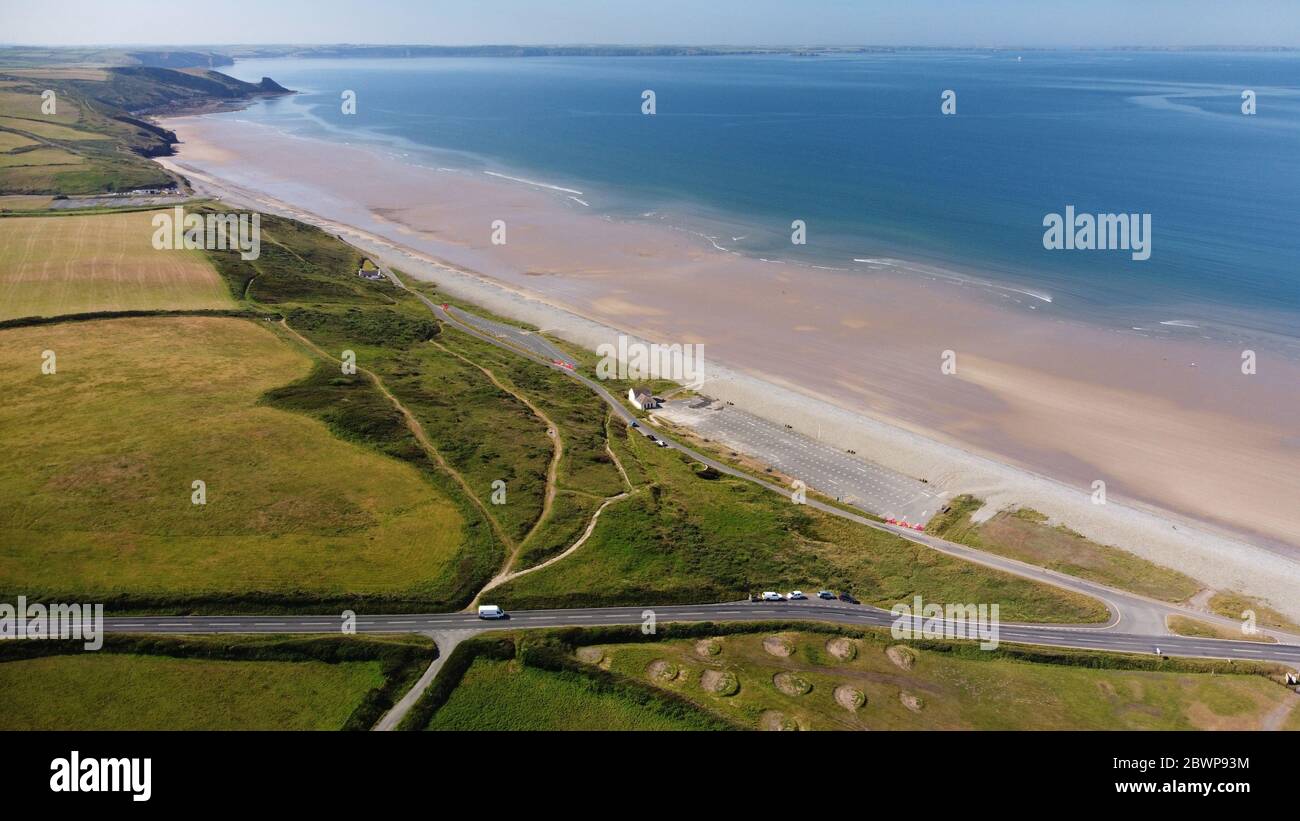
(490, 611)
(796, 595)
(661, 443)
(845, 597)
(633, 424)
(770, 595)
(825, 594)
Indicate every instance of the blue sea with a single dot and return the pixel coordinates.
(858, 148)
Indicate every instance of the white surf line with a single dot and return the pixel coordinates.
(534, 182)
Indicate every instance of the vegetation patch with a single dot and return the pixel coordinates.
(778, 646)
(850, 698)
(1196, 628)
(1025, 535)
(842, 648)
(902, 657)
(688, 540)
(951, 685)
(208, 683)
(720, 682)
(527, 682)
(792, 684)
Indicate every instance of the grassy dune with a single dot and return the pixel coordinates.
(100, 458)
(63, 265)
(689, 539)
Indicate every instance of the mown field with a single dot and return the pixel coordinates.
(690, 538)
(64, 265)
(212, 683)
(101, 457)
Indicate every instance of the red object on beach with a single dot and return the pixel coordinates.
(891, 520)
(446, 306)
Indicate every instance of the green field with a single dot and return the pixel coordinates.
(690, 539)
(127, 692)
(921, 688)
(39, 157)
(207, 682)
(49, 130)
(102, 455)
(505, 695)
(64, 265)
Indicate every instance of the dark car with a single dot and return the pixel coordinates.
(845, 597)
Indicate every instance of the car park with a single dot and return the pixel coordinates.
(845, 597)
(825, 594)
(796, 595)
(771, 595)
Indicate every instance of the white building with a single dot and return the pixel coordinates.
(642, 398)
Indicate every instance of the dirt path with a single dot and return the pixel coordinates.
(618, 463)
(504, 577)
(1278, 715)
(417, 430)
(557, 453)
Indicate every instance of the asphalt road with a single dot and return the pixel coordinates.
(535, 343)
(828, 469)
(1087, 638)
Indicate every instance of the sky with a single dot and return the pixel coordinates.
(1047, 23)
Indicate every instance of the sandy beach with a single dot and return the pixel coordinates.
(1201, 462)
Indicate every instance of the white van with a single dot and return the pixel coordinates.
(490, 611)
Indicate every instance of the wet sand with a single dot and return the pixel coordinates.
(1201, 463)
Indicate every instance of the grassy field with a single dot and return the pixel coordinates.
(208, 682)
(507, 695)
(40, 157)
(9, 141)
(689, 539)
(50, 130)
(101, 457)
(62, 265)
(827, 682)
(101, 691)
(1026, 536)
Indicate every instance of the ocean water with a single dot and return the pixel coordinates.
(857, 147)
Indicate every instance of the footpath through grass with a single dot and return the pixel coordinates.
(691, 538)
